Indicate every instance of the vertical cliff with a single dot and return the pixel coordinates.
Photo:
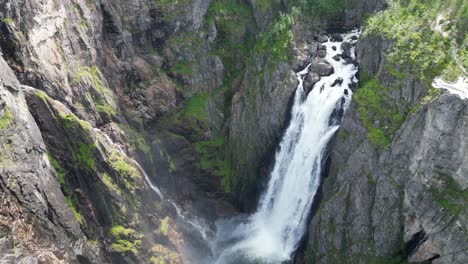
(396, 186)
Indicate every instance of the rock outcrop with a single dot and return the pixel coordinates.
(36, 224)
(403, 202)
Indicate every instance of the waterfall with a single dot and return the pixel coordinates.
(273, 232)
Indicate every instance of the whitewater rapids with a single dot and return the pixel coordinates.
(274, 231)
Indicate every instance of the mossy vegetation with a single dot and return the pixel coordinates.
(6, 118)
(6, 153)
(42, 95)
(101, 93)
(71, 121)
(7, 20)
(127, 171)
(164, 227)
(380, 116)
(125, 240)
(277, 39)
(84, 156)
(110, 183)
(59, 170)
(73, 207)
(213, 159)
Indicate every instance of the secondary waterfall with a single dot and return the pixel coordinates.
(272, 234)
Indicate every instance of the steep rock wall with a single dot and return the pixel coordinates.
(396, 186)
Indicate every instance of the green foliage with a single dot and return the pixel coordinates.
(126, 240)
(59, 170)
(379, 115)
(316, 8)
(6, 118)
(171, 9)
(72, 206)
(431, 94)
(277, 39)
(120, 231)
(125, 246)
(410, 24)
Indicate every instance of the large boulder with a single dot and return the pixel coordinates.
(322, 68)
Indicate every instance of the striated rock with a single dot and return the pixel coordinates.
(35, 220)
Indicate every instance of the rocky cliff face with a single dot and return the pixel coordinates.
(396, 186)
(197, 91)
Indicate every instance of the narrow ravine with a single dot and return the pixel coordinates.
(273, 232)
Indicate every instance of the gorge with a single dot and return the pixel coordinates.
(233, 131)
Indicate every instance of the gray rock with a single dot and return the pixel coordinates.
(322, 39)
(336, 37)
(321, 67)
(346, 47)
(310, 80)
(322, 53)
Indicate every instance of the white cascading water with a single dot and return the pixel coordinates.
(273, 233)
